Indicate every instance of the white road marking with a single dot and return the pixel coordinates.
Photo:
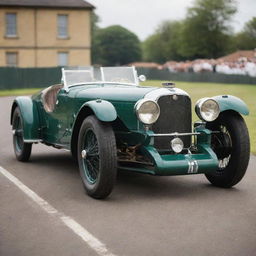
(79, 230)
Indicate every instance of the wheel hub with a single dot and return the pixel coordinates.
(222, 145)
(84, 154)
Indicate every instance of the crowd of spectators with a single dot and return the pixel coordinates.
(237, 63)
(242, 66)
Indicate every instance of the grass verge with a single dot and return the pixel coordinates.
(17, 92)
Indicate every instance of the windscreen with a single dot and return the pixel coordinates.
(72, 76)
(89, 75)
(125, 75)
(78, 77)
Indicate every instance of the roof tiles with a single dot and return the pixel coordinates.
(47, 3)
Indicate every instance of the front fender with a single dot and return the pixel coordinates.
(30, 118)
(102, 109)
(229, 102)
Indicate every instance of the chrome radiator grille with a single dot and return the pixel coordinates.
(175, 116)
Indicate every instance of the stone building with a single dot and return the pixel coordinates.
(45, 33)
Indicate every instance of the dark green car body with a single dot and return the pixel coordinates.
(138, 146)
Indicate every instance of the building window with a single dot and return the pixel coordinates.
(62, 26)
(63, 59)
(11, 24)
(11, 59)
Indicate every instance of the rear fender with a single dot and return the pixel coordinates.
(30, 118)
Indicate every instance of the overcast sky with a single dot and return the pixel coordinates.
(143, 16)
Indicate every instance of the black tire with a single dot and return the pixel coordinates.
(22, 150)
(232, 147)
(98, 165)
(74, 156)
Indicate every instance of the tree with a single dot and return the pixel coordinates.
(163, 44)
(246, 40)
(153, 49)
(206, 32)
(94, 28)
(115, 45)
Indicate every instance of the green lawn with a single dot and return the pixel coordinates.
(17, 92)
(197, 91)
(244, 91)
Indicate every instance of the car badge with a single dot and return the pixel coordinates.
(174, 97)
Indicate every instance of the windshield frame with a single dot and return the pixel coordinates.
(102, 75)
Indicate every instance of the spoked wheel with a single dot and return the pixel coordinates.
(22, 150)
(232, 146)
(90, 155)
(97, 157)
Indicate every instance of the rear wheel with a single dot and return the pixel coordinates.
(22, 150)
(232, 146)
(97, 157)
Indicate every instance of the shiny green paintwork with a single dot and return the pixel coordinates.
(110, 93)
(106, 101)
(30, 117)
(122, 97)
(115, 104)
(103, 109)
(229, 102)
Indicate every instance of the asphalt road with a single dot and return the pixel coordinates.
(144, 215)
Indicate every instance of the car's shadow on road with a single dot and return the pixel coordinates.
(155, 187)
(58, 161)
(130, 184)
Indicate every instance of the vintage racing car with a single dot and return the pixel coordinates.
(109, 122)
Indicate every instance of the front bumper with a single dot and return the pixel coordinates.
(204, 161)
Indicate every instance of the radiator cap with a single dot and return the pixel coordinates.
(168, 84)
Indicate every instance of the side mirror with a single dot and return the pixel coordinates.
(142, 78)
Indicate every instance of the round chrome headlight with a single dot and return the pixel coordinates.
(207, 109)
(147, 111)
(177, 145)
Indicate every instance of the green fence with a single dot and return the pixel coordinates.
(154, 74)
(14, 78)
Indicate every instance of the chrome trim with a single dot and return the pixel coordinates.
(32, 141)
(199, 105)
(64, 70)
(102, 74)
(157, 93)
(63, 78)
(139, 103)
(176, 134)
(181, 143)
(192, 166)
(103, 83)
(84, 154)
(135, 73)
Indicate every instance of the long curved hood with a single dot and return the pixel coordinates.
(112, 92)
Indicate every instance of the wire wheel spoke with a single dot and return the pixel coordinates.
(18, 134)
(91, 162)
(226, 142)
(92, 169)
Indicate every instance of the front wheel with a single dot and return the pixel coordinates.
(97, 157)
(232, 146)
(22, 150)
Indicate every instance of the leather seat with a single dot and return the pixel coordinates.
(49, 97)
